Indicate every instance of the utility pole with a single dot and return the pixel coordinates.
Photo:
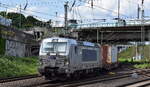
(92, 3)
(138, 12)
(66, 17)
(142, 29)
(56, 24)
(97, 35)
(118, 10)
(136, 43)
(142, 21)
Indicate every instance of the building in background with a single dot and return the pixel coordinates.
(4, 21)
(38, 32)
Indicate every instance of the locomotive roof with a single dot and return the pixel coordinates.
(60, 39)
(70, 41)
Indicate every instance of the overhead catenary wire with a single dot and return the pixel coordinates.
(80, 17)
(133, 2)
(108, 15)
(52, 3)
(24, 12)
(39, 3)
(8, 6)
(109, 10)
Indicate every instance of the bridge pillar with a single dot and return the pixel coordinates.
(97, 36)
(148, 35)
(149, 41)
(138, 52)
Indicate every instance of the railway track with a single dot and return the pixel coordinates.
(89, 80)
(141, 83)
(105, 78)
(73, 83)
(4, 80)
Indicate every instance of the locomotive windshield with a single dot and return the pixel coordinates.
(54, 47)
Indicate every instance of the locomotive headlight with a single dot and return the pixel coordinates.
(40, 62)
(66, 62)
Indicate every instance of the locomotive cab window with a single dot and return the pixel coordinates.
(54, 47)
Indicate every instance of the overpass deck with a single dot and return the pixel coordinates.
(114, 34)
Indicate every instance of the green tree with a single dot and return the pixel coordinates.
(3, 13)
(18, 19)
(31, 21)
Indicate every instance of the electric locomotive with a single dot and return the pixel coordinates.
(63, 57)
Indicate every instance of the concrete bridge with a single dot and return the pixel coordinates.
(118, 34)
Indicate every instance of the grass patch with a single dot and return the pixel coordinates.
(14, 66)
(143, 64)
(131, 52)
(126, 56)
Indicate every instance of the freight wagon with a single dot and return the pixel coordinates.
(63, 57)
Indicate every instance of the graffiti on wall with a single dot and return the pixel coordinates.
(8, 33)
(14, 48)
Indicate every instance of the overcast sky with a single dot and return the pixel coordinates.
(102, 9)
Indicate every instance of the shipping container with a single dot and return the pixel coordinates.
(114, 52)
(109, 55)
(104, 52)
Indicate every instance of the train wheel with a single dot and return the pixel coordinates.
(47, 77)
(76, 76)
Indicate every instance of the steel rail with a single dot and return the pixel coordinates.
(90, 80)
(10, 79)
(136, 82)
(108, 78)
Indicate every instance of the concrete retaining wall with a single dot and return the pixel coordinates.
(18, 43)
(14, 48)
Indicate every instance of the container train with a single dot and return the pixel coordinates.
(63, 57)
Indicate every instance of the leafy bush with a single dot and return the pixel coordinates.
(13, 66)
(126, 56)
(142, 64)
(2, 45)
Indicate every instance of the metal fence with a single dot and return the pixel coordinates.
(109, 24)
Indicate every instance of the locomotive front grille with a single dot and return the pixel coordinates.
(53, 61)
(60, 63)
(51, 69)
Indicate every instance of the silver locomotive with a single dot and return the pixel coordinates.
(63, 57)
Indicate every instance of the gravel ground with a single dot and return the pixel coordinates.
(24, 83)
(117, 82)
(113, 83)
